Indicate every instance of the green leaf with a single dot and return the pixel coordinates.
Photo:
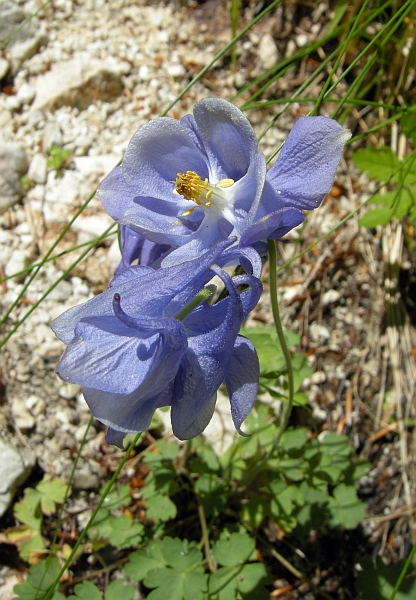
(249, 580)
(120, 496)
(268, 347)
(119, 590)
(378, 163)
(177, 572)
(255, 510)
(143, 561)
(86, 591)
(28, 509)
(294, 438)
(408, 123)
(346, 509)
(52, 492)
(233, 550)
(158, 506)
(378, 216)
(377, 581)
(121, 531)
(40, 578)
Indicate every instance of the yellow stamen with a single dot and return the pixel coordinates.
(201, 191)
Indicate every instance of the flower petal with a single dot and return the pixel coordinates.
(156, 153)
(273, 226)
(305, 168)
(242, 380)
(228, 137)
(114, 194)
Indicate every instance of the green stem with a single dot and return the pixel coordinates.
(91, 519)
(68, 487)
(201, 297)
(286, 409)
(403, 572)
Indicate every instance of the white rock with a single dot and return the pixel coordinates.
(26, 93)
(330, 296)
(22, 417)
(301, 40)
(13, 164)
(16, 465)
(69, 390)
(38, 168)
(79, 82)
(4, 67)
(267, 51)
(13, 103)
(52, 135)
(16, 263)
(176, 70)
(319, 333)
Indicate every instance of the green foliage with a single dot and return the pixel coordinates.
(382, 164)
(59, 159)
(172, 568)
(377, 581)
(273, 363)
(237, 575)
(41, 576)
(117, 590)
(30, 511)
(118, 529)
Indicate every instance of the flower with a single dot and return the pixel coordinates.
(191, 183)
(131, 355)
(135, 246)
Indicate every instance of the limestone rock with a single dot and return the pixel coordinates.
(13, 164)
(16, 465)
(79, 82)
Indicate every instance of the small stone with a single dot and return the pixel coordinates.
(85, 479)
(16, 465)
(52, 135)
(4, 67)
(319, 333)
(16, 264)
(301, 40)
(22, 417)
(13, 103)
(38, 169)
(13, 164)
(267, 51)
(26, 94)
(176, 70)
(330, 296)
(69, 390)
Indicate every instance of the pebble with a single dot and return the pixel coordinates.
(26, 94)
(38, 169)
(267, 51)
(16, 465)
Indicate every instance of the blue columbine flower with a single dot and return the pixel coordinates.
(131, 355)
(134, 246)
(191, 183)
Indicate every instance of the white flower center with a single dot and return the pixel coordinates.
(210, 197)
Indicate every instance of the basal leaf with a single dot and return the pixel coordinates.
(28, 509)
(378, 163)
(41, 576)
(233, 551)
(52, 492)
(346, 508)
(378, 216)
(86, 591)
(119, 590)
(377, 581)
(143, 561)
(249, 580)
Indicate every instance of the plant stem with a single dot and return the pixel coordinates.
(91, 519)
(286, 410)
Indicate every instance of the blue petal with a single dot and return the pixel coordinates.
(305, 168)
(242, 380)
(114, 194)
(205, 363)
(126, 413)
(228, 137)
(156, 153)
(109, 355)
(273, 226)
(148, 294)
